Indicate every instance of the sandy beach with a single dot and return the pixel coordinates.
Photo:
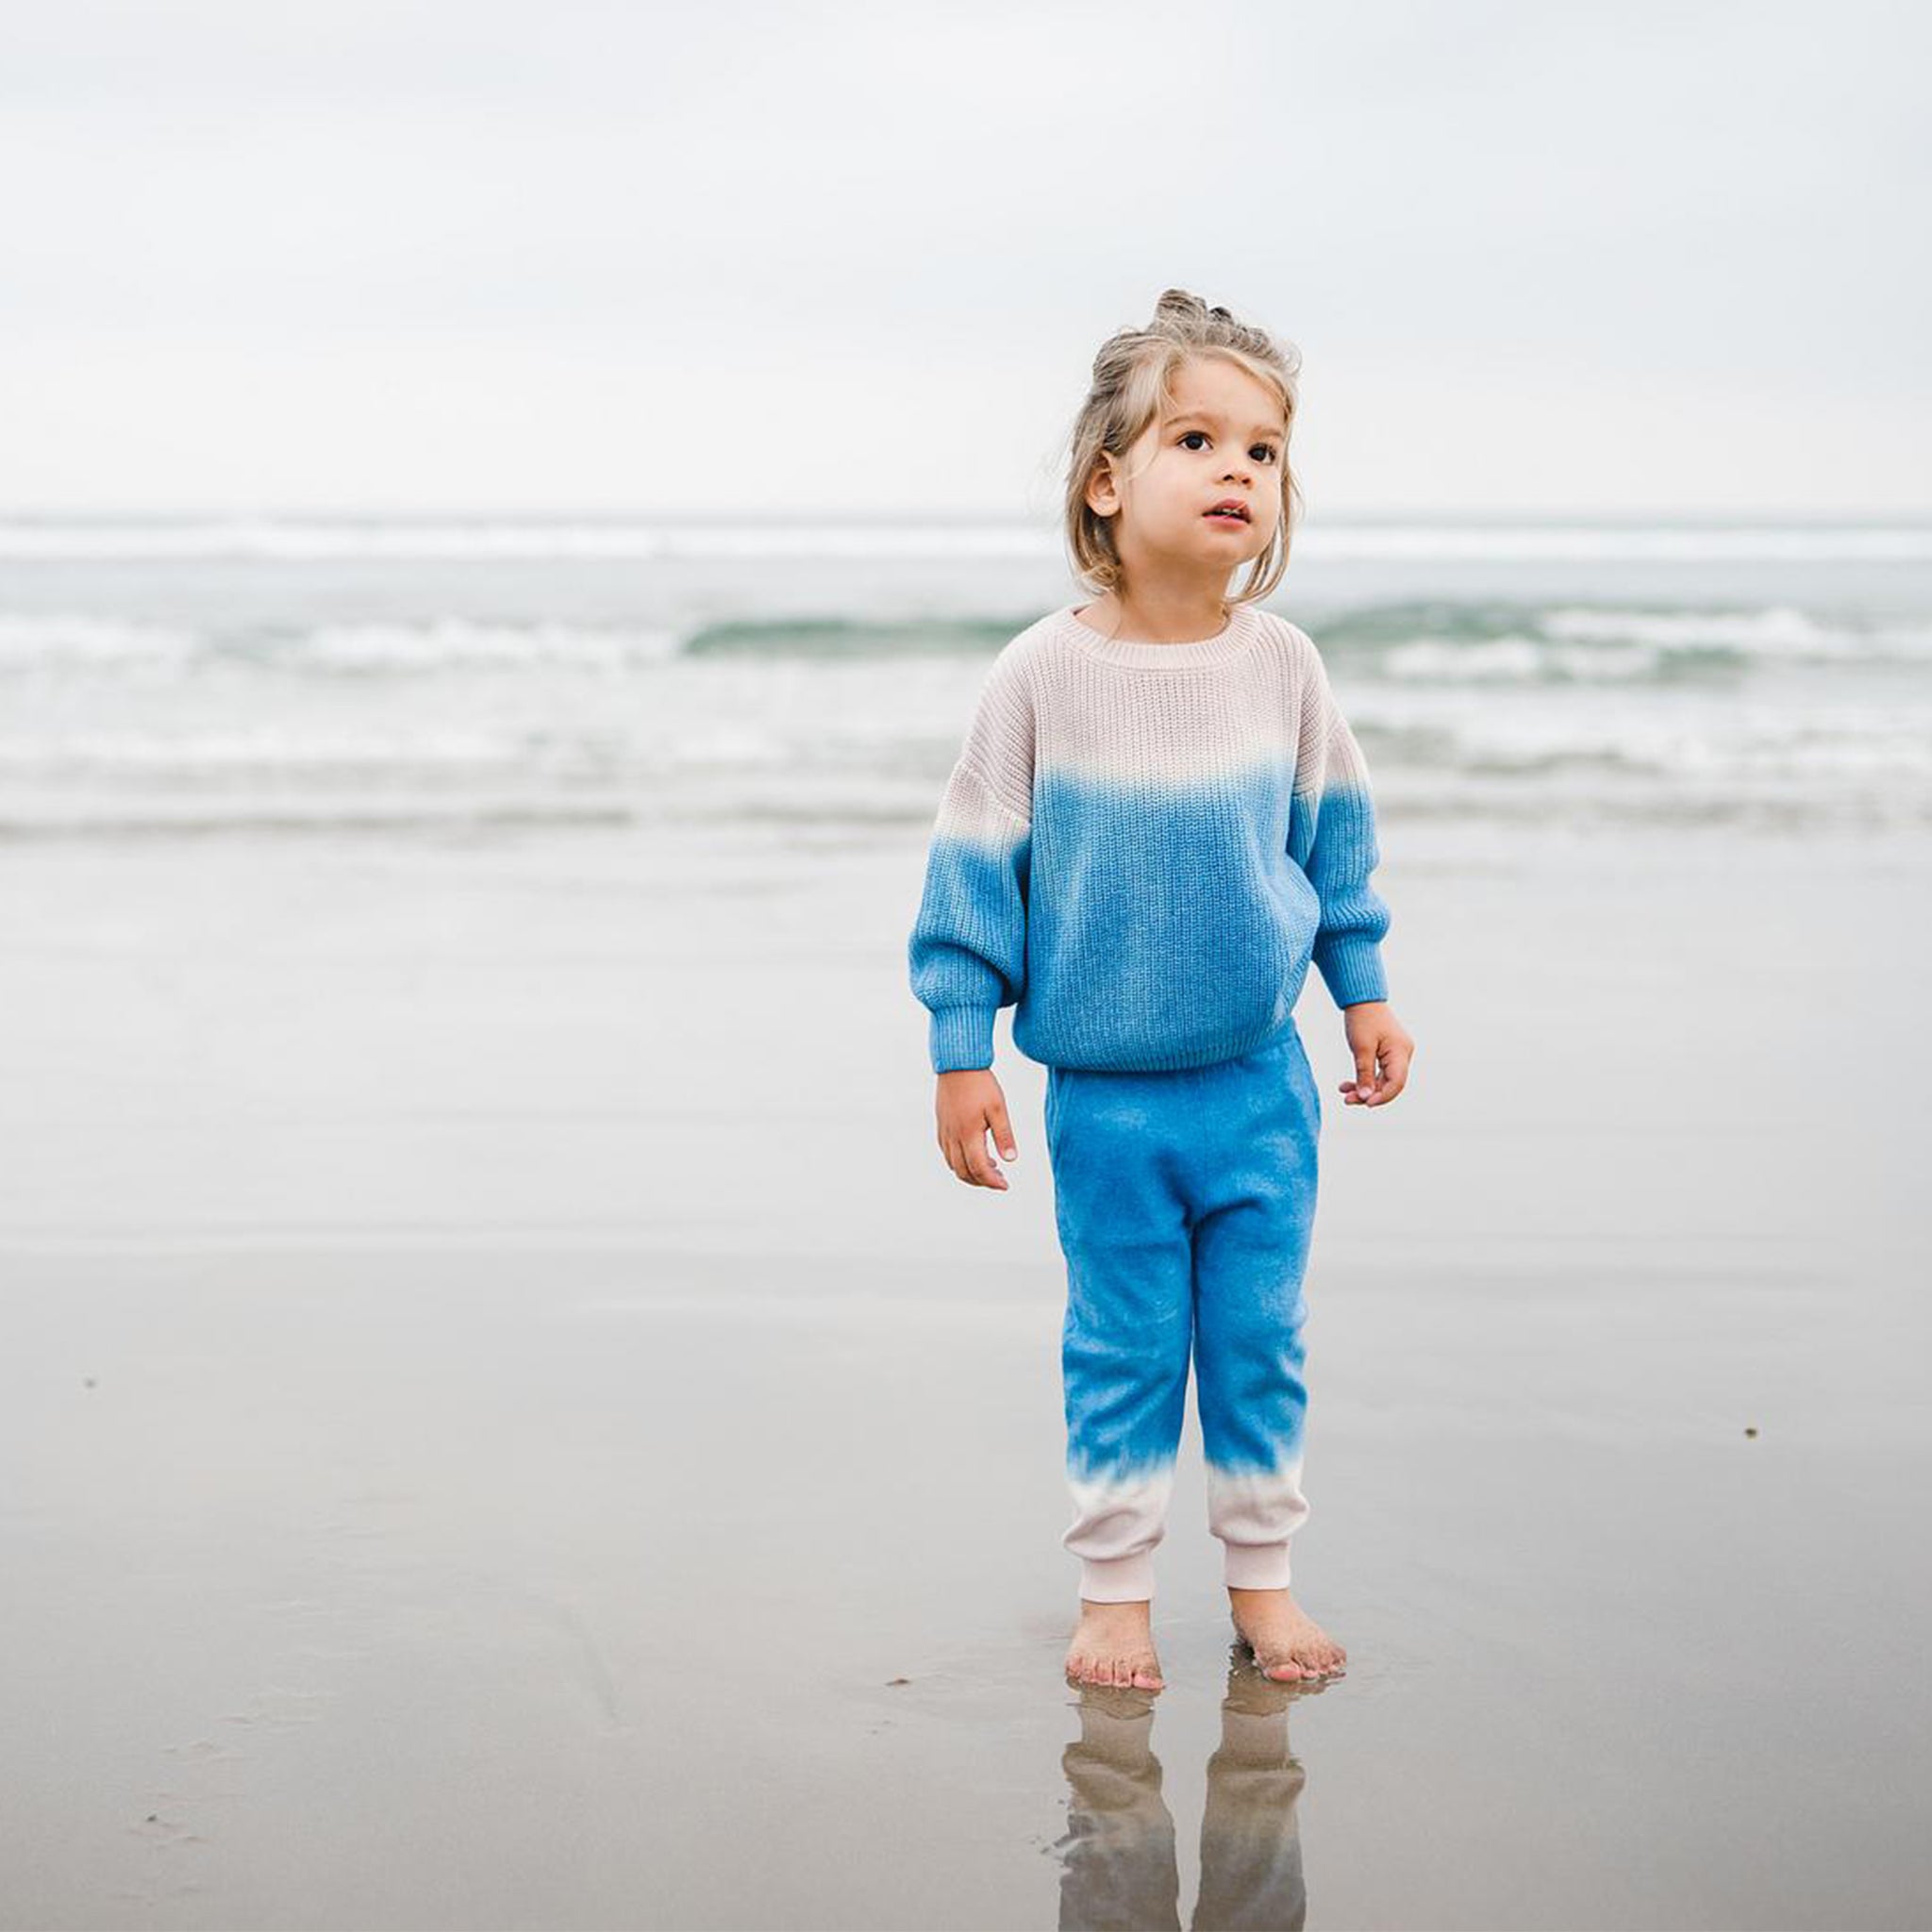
(510, 1423)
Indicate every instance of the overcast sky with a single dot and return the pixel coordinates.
(417, 254)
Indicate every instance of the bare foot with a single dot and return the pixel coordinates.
(1287, 1642)
(1114, 1645)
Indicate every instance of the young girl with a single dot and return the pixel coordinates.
(1159, 820)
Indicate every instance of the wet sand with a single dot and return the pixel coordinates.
(509, 1422)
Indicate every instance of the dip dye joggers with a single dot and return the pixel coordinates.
(1185, 1201)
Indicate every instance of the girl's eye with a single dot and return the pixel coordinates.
(1262, 452)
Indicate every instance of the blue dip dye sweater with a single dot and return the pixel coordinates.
(1142, 847)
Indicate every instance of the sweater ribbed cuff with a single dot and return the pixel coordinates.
(961, 1036)
(1353, 968)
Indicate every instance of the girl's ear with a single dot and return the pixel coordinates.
(1103, 498)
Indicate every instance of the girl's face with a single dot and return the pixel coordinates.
(1224, 440)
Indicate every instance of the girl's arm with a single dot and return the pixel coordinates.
(1332, 834)
(1332, 837)
(967, 953)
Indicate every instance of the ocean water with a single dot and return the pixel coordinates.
(428, 679)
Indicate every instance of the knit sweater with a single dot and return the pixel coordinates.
(1142, 846)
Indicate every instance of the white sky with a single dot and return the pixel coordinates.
(415, 253)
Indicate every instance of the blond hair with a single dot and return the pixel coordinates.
(1133, 382)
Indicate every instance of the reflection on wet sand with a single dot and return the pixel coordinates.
(1117, 1855)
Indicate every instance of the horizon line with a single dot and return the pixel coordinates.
(791, 518)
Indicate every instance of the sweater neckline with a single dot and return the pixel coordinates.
(1230, 640)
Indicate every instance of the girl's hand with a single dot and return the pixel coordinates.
(971, 1104)
(1374, 1034)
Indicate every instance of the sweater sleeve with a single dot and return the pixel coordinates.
(967, 953)
(1332, 837)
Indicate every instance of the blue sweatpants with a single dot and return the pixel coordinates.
(1185, 1204)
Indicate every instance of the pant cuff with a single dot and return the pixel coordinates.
(1257, 1566)
(1118, 1579)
